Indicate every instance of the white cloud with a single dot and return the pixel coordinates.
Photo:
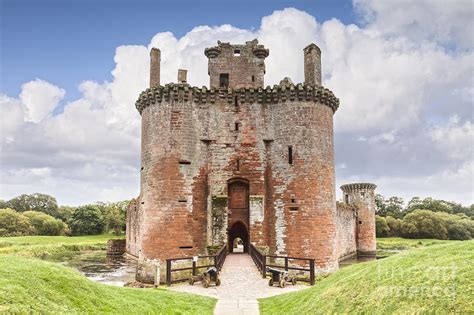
(389, 84)
(40, 98)
(456, 139)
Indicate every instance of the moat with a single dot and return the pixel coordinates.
(96, 266)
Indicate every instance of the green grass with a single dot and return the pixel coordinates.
(44, 246)
(436, 279)
(398, 243)
(29, 285)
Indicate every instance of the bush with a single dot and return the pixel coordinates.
(45, 224)
(395, 226)
(87, 220)
(428, 225)
(13, 223)
(381, 226)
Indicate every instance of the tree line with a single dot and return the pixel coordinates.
(423, 218)
(39, 214)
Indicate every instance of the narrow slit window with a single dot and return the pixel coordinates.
(236, 52)
(184, 162)
(346, 198)
(238, 165)
(236, 101)
(293, 208)
(290, 155)
(253, 78)
(185, 247)
(293, 200)
(236, 126)
(182, 200)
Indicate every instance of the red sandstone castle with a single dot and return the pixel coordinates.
(239, 160)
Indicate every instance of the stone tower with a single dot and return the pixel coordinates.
(236, 66)
(237, 160)
(362, 197)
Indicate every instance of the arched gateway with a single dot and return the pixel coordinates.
(238, 216)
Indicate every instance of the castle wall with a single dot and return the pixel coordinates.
(346, 231)
(191, 148)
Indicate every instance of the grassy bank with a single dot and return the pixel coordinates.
(43, 246)
(30, 285)
(434, 279)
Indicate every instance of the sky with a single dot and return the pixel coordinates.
(70, 72)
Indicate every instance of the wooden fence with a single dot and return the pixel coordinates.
(262, 262)
(218, 260)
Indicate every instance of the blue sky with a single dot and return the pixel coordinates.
(65, 42)
(71, 72)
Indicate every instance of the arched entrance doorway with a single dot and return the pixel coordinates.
(238, 235)
(238, 213)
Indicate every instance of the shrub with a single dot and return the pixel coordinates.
(381, 226)
(13, 223)
(428, 225)
(87, 220)
(395, 226)
(45, 224)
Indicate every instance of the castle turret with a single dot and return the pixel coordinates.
(155, 59)
(362, 196)
(236, 66)
(312, 65)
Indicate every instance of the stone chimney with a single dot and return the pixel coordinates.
(182, 75)
(155, 59)
(312, 65)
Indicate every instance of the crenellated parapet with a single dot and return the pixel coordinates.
(269, 95)
(357, 187)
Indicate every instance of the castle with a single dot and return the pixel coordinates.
(239, 160)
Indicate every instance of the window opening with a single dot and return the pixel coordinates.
(224, 80)
(290, 155)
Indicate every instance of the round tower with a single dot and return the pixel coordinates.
(362, 197)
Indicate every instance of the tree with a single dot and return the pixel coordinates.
(381, 227)
(428, 225)
(13, 223)
(87, 220)
(34, 202)
(436, 205)
(45, 224)
(115, 217)
(394, 225)
(65, 213)
(392, 206)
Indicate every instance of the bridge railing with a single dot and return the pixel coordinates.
(191, 266)
(263, 261)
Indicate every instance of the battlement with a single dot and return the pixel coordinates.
(355, 187)
(269, 95)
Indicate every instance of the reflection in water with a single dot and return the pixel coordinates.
(96, 266)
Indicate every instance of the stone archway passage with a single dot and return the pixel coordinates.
(238, 230)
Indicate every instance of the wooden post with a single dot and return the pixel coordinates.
(264, 266)
(168, 272)
(194, 268)
(286, 263)
(311, 271)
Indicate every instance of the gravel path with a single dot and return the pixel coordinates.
(241, 286)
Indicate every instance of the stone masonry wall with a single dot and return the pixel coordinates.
(195, 140)
(346, 231)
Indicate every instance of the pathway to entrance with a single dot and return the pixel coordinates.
(241, 285)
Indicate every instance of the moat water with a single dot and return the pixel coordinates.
(96, 266)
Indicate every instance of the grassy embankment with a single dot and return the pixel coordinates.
(29, 285)
(43, 246)
(436, 279)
